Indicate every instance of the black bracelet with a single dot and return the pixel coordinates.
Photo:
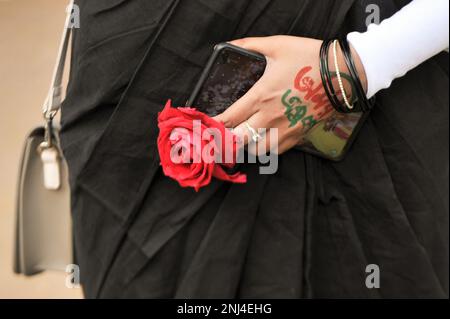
(336, 102)
(327, 79)
(362, 104)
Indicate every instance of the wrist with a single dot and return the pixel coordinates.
(359, 68)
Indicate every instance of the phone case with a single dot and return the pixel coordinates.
(217, 49)
(347, 146)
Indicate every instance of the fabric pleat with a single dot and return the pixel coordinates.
(308, 231)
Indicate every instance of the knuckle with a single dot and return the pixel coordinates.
(271, 122)
(225, 119)
(279, 113)
(228, 122)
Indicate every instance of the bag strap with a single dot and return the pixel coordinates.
(53, 101)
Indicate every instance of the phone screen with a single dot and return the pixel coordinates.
(231, 75)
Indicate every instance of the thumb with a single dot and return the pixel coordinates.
(263, 45)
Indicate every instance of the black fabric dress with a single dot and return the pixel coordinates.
(308, 231)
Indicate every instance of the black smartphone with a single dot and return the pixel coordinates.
(229, 74)
(232, 71)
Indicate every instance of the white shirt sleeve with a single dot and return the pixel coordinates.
(389, 50)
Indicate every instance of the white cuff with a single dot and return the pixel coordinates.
(399, 44)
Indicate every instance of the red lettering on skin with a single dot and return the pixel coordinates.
(316, 95)
(304, 83)
(321, 100)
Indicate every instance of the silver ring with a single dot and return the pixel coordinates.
(255, 135)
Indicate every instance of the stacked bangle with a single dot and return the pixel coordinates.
(361, 103)
(339, 78)
(366, 104)
(326, 77)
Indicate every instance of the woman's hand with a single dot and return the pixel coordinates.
(290, 95)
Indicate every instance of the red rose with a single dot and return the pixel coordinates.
(193, 147)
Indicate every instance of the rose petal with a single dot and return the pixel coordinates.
(176, 130)
(220, 173)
